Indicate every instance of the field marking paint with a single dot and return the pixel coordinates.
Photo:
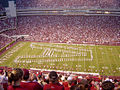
(91, 55)
(11, 52)
(72, 72)
(108, 59)
(117, 63)
(97, 59)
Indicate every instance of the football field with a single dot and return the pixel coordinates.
(104, 60)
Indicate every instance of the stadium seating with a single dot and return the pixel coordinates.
(66, 29)
(74, 29)
(23, 4)
(7, 23)
(4, 41)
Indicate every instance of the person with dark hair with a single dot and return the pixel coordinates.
(107, 85)
(79, 86)
(53, 82)
(14, 79)
(27, 83)
(82, 85)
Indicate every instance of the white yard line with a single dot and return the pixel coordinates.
(84, 64)
(11, 52)
(65, 71)
(91, 64)
(117, 63)
(91, 54)
(103, 67)
(108, 59)
(96, 56)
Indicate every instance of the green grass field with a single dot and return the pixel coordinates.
(104, 60)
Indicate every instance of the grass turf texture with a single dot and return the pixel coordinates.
(69, 57)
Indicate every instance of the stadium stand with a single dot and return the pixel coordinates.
(24, 4)
(4, 41)
(7, 23)
(75, 29)
(62, 29)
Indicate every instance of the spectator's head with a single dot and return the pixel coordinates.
(107, 85)
(60, 76)
(26, 74)
(15, 76)
(79, 86)
(85, 83)
(53, 77)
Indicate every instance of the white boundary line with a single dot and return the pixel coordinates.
(65, 71)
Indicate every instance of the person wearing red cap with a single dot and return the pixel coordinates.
(30, 85)
(53, 82)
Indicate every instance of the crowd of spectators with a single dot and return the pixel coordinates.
(23, 4)
(4, 41)
(7, 23)
(24, 79)
(60, 29)
(75, 29)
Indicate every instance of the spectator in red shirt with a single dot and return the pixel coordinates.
(30, 85)
(65, 84)
(14, 79)
(53, 82)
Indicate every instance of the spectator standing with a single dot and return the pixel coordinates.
(27, 83)
(53, 82)
(14, 79)
(107, 85)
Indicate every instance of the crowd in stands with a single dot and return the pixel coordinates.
(75, 29)
(60, 29)
(24, 79)
(4, 41)
(23, 4)
(7, 23)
